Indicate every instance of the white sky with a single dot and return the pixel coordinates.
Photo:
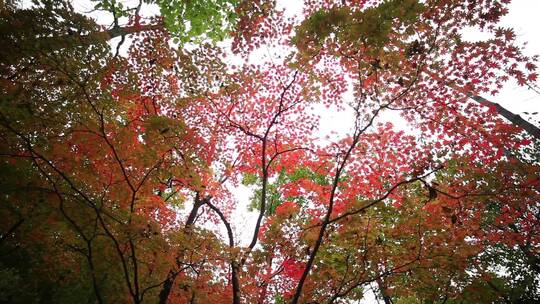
(523, 17)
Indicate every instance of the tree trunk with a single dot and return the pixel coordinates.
(76, 40)
(171, 276)
(384, 294)
(513, 118)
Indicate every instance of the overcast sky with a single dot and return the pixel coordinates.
(523, 17)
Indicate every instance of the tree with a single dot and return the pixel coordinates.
(119, 173)
(53, 25)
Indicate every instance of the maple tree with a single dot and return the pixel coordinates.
(120, 173)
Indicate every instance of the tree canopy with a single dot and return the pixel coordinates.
(188, 162)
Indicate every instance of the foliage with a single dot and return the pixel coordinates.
(214, 19)
(121, 173)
